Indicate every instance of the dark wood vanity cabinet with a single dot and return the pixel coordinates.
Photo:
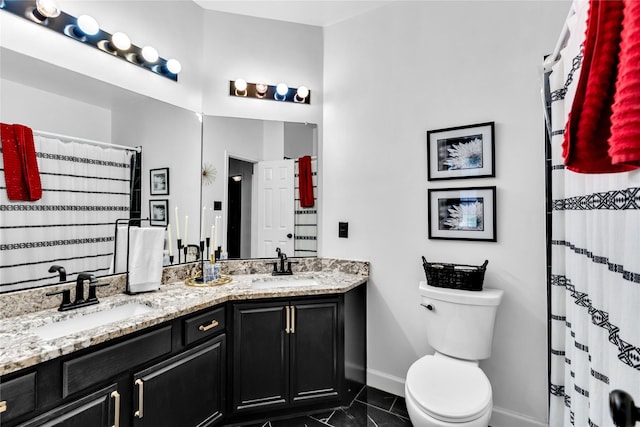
(170, 375)
(286, 353)
(186, 390)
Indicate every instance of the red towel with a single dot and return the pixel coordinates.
(21, 172)
(305, 182)
(585, 146)
(625, 122)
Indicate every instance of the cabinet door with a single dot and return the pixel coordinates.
(100, 409)
(186, 390)
(314, 350)
(260, 357)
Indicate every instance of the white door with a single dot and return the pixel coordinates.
(275, 187)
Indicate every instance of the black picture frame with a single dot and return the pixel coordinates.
(159, 212)
(467, 213)
(159, 182)
(461, 152)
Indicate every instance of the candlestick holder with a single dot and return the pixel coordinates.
(217, 252)
(202, 249)
(186, 249)
(179, 249)
(171, 259)
(208, 242)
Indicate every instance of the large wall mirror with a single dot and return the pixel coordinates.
(243, 172)
(252, 185)
(47, 98)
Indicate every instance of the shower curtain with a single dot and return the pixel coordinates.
(85, 189)
(595, 269)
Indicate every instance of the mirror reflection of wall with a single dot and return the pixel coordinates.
(48, 98)
(237, 148)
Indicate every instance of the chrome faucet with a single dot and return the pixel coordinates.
(79, 297)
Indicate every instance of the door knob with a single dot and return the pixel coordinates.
(623, 410)
(289, 235)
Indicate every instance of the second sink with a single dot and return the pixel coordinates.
(289, 282)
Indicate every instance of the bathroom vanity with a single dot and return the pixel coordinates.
(198, 357)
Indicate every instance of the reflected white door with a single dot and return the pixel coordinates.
(275, 207)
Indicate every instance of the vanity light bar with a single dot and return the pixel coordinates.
(280, 92)
(86, 30)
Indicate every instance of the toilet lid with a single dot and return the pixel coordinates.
(449, 390)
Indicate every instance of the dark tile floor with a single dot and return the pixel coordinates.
(370, 408)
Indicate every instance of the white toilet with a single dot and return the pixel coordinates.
(448, 388)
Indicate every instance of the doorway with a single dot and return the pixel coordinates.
(239, 191)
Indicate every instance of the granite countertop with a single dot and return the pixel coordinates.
(20, 347)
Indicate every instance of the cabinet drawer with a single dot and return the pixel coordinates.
(17, 397)
(93, 368)
(203, 325)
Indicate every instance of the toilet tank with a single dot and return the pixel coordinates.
(460, 323)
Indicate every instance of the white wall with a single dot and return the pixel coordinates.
(174, 28)
(50, 112)
(261, 50)
(390, 76)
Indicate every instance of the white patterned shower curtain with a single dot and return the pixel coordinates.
(595, 271)
(86, 188)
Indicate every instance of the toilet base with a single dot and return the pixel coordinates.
(421, 419)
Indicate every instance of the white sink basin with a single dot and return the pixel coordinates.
(283, 282)
(83, 322)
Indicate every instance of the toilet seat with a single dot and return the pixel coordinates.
(449, 390)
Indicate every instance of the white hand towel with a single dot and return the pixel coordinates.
(145, 258)
(119, 261)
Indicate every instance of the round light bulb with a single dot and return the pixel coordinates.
(262, 88)
(240, 85)
(88, 25)
(121, 41)
(174, 66)
(302, 92)
(149, 54)
(48, 8)
(282, 89)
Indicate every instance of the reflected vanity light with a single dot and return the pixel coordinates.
(281, 92)
(241, 87)
(85, 29)
(237, 178)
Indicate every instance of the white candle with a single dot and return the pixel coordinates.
(177, 225)
(213, 236)
(204, 210)
(217, 218)
(169, 240)
(186, 229)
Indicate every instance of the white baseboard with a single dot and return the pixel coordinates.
(501, 417)
(385, 382)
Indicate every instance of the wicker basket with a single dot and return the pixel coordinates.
(454, 276)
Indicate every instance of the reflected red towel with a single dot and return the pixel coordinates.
(585, 145)
(624, 144)
(20, 164)
(305, 182)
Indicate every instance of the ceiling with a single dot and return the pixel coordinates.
(310, 12)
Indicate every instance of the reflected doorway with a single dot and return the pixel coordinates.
(239, 191)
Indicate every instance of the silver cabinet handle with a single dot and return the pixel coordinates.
(288, 315)
(293, 320)
(116, 412)
(140, 385)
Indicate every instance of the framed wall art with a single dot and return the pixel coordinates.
(461, 152)
(159, 182)
(462, 213)
(158, 212)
